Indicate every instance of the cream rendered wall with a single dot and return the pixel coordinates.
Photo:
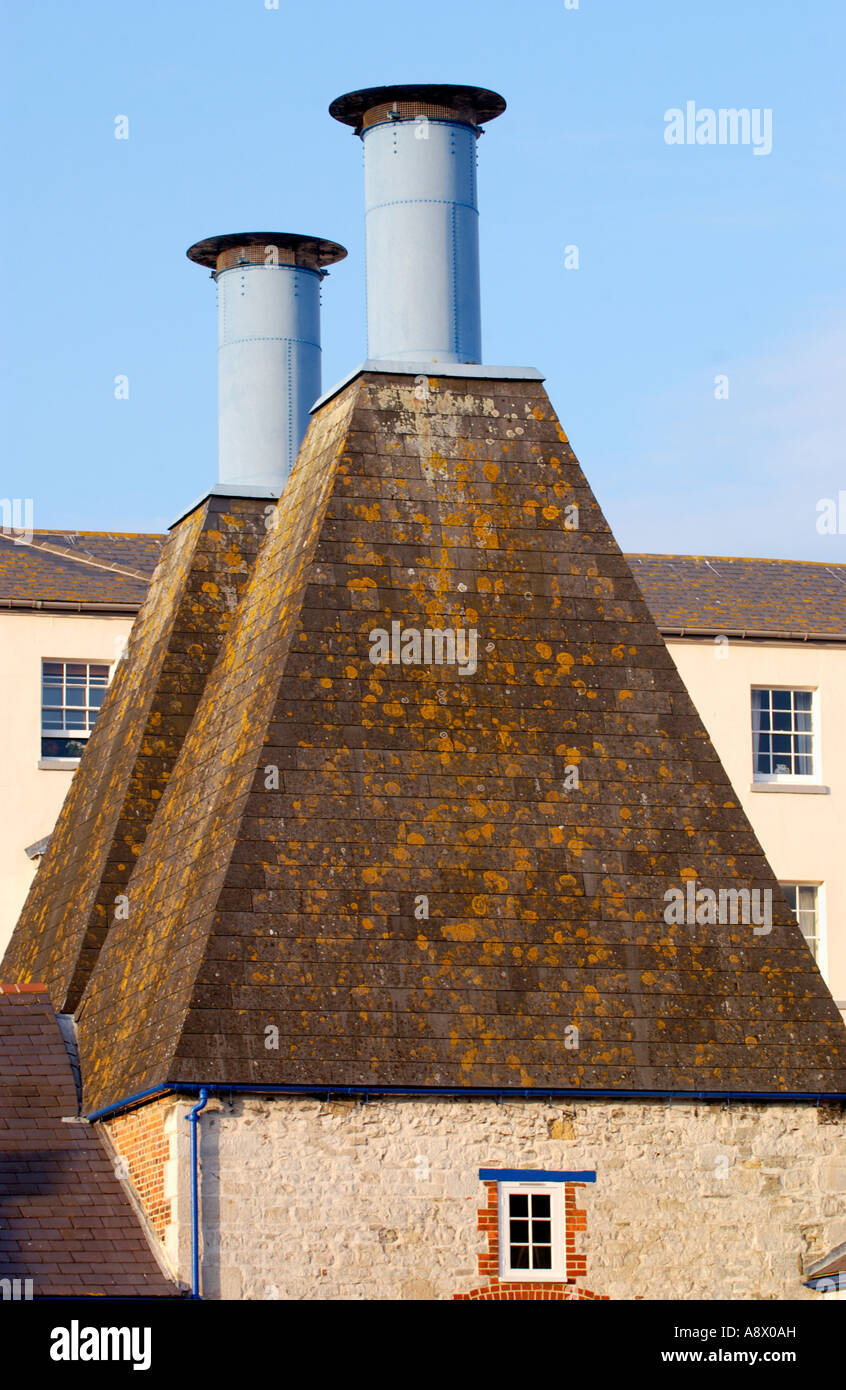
(30, 797)
(802, 833)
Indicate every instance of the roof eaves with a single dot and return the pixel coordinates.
(57, 605)
(750, 634)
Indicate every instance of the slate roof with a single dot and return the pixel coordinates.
(830, 1267)
(81, 567)
(320, 800)
(66, 1222)
(690, 593)
(717, 593)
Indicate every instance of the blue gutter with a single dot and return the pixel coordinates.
(127, 1104)
(192, 1119)
(498, 1093)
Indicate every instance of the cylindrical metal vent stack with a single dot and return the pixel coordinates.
(423, 298)
(268, 348)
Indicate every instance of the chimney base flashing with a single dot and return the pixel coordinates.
(468, 370)
(228, 490)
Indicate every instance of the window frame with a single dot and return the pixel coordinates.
(558, 1234)
(77, 735)
(789, 779)
(821, 958)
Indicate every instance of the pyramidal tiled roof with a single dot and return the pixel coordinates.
(412, 875)
(133, 746)
(66, 1223)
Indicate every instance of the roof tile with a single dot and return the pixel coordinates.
(56, 1178)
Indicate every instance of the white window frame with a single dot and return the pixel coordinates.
(819, 888)
(78, 735)
(558, 1272)
(796, 779)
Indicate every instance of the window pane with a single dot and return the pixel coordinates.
(75, 695)
(519, 1204)
(781, 743)
(53, 668)
(62, 747)
(518, 1232)
(51, 696)
(519, 1257)
(802, 898)
(540, 1204)
(804, 767)
(781, 699)
(542, 1257)
(782, 719)
(96, 696)
(98, 675)
(74, 719)
(75, 669)
(541, 1232)
(803, 721)
(760, 699)
(51, 719)
(802, 699)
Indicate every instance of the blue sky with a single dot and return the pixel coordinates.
(695, 261)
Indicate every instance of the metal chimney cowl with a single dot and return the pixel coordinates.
(269, 353)
(422, 217)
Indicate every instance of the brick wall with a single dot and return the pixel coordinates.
(140, 1138)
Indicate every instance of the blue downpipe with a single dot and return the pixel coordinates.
(193, 1117)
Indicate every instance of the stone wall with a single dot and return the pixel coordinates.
(307, 1199)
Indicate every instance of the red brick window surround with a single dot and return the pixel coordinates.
(537, 1233)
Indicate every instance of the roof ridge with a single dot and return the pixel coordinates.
(733, 559)
(131, 535)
